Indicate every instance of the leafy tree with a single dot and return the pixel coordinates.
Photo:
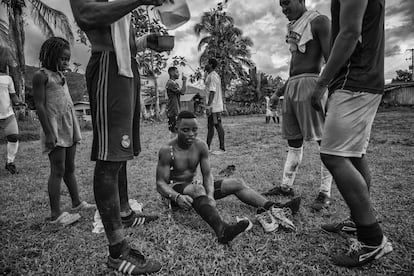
(402, 76)
(151, 63)
(225, 42)
(12, 34)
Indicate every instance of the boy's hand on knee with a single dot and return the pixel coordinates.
(184, 201)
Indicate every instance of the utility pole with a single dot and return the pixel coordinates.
(411, 67)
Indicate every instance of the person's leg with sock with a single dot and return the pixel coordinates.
(354, 189)
(237, 187)
(12, 135)
(12, 148)
(324, 197)
(291, 167)
(204, 206)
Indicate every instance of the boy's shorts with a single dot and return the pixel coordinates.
(115, 108)
(300, 120)
(348, 123)
(9, 125)
(179, 188)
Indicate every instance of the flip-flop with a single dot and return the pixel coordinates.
(66, 219)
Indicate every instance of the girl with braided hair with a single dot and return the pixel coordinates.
(60, 128)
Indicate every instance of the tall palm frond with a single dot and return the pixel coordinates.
(45, 17)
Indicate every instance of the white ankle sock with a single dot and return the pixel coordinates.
(12, 148)
(293, 160)
(326, 181)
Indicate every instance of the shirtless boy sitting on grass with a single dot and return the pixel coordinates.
(176, 171)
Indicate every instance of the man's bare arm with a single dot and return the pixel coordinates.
(206, 172)
(163, 174)
(322, 29)
(91, 14)
(350, 22)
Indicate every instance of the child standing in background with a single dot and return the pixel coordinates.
(61, 131)
(8, 121)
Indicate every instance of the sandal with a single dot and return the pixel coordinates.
(66, 219)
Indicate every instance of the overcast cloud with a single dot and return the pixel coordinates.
(264, 23)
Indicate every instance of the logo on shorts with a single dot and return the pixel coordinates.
(125, 142)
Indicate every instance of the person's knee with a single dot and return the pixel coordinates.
(297, 143)
(239, 184)
(58, 169)
(196, 191)
(12, 138)
(69, 169)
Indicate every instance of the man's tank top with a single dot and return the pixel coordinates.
(364, 70)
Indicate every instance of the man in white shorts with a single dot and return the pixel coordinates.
(355, 74)
(308, 38)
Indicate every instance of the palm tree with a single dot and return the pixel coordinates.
(225, 42)
(12, 35)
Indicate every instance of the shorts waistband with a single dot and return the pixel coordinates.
(305, 75)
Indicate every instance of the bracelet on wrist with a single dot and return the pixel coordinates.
(176, 197)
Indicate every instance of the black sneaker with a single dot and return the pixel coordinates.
(11, 167)
(135, 219)
(322, 201)
(293, 205)
(275, 191)
(231, 231)
(132, 262)
(348, 226)
(360, 254)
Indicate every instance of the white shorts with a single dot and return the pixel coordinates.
(348, 123)
(9, 125)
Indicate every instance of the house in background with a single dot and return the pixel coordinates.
(83, 111)
(192, 100)
(399, 93)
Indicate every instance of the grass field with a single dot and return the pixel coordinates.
(184, 244)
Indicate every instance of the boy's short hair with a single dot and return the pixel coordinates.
(213, 63)
(171, 69)
(185, 114)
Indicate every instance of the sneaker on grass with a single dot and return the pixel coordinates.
(132, 262)
(135, 219)
(281, 216)
(231, 231)
(278, 190)
(66, 219)
(11, 167)
(293, 205)
(267, 221)
(218, 152)
(347, 226)
(320, 202)
(360, 254)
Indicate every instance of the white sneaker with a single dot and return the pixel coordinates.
(281, 217)
(267, 221)
(218, 152)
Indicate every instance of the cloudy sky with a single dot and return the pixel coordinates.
(265, 24)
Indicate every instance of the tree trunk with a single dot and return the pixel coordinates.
(157, 99)
(16, 35)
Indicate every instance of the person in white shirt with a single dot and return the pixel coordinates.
(8, 122)
(214, 105)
